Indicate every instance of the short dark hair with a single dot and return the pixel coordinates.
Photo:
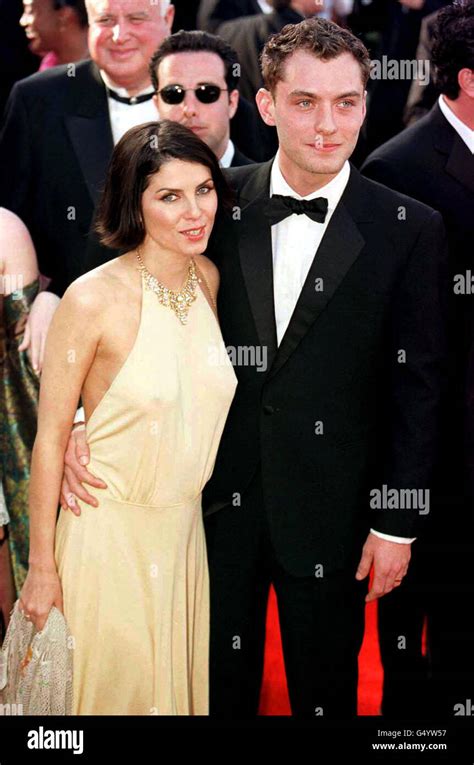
(324, 39)
(78, 6)
(196, 42)
(139, 154)
(453, 45)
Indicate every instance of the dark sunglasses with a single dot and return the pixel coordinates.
(206, 94)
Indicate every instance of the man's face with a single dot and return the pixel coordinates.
(318, 109)
(209, 121)
(40, 22)
(123, 34)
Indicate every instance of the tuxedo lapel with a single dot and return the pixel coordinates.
(460, 164)
(255, 249)
(339, 248)
(90, 132)
(460, 161)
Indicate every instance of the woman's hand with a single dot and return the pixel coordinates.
(41, 591)
(36, 329)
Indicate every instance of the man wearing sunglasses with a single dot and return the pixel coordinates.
(195, 76)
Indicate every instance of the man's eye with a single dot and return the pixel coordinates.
(305, 103)
(105, 21)
(346, 104)
(138, 19)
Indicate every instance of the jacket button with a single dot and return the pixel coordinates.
(269, 409)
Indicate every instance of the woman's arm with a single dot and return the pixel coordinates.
(72, 342)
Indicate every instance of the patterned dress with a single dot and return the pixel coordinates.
(19, 387)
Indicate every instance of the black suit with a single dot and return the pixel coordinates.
(431, 162)
(422, 97)
(239, 159)
(54, 151)
(248, 36)
(212, 13)
(283, 500)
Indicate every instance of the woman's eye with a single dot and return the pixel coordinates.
(204, 189)
(169, 198)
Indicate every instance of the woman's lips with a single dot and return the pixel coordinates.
(194, 234)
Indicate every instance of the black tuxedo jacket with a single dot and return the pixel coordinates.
(55, 147)
(339, 411)
(430, 162)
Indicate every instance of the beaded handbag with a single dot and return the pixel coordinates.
(36, 667)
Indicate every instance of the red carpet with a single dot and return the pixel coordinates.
(274, 696)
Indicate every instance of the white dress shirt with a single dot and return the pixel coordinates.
(228, 156)
(461, 129)
(265, 7)
(125, 116)
(295, 240)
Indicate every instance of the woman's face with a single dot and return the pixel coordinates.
(179, 206)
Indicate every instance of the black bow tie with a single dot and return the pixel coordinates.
(132, 100)
(279, 207)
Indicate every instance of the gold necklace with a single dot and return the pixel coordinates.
(180, 301)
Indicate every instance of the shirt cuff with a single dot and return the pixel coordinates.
(80, 416)
(390, 538)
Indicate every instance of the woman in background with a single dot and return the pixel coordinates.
(19, 384)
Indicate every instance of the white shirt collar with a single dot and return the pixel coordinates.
(122, 91)
(333, 190)
(265, 7)
(228, 156)
(461, 129)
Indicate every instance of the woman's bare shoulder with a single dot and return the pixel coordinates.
(103, 289)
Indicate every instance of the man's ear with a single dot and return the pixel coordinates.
(169, 17)
(233, 102)
(466, 81)
(364, 105)
(266, 106)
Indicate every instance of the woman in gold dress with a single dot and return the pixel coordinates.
(132, 338)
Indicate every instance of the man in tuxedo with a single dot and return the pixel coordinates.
(433, 162)
(330, 309)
